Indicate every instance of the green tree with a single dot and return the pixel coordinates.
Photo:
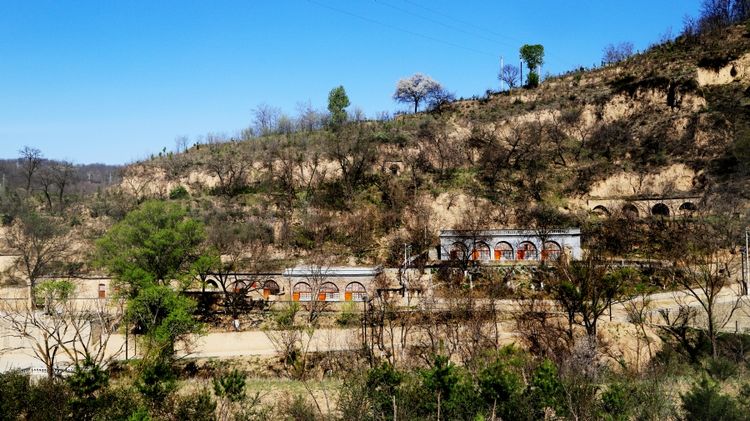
(156, 382)
(156, 243)
(501, 383)
(54, 291)
(337, 103)
(87, 383)
(533, 56)
(545, 389)
(163, 316)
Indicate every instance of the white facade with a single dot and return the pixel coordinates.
(509, 245)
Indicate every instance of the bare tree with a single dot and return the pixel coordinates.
(54, 180)
(30, 159)
(707, 280)
(40, 241)
(64, 174)
(241, 247)
(353, 149)
(181, 144)
(266, 119)
(538, 324)
(137, 183)
(586, 289)
(317, 276)
(47, 184)
(230, 167)
(308, 118)
(511, 75)
(615, 53)
(72, 331)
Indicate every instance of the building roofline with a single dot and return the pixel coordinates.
(507, 232)
(333, 271)
(645, 198)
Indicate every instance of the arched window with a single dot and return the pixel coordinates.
(629, 210)
(660, 209)
(102, 291)
(301, 292)
(527, 251)
(458, 251)
(270, 287)
(355, 292)
(481, 252)
(212, 284)
(503, 251)
(244, 284)
(551, 251)
(601, 210)
(328, 292)
(688, 208)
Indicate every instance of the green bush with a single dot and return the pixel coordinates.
(348, 315)
(285, 316)
(197, 406)
(617, 402)
(532, 81)
(298, 408)
(720, 369)
(230, 385)
(156, 382)
(704, 401)
(14, 395)
(545, 390)
(178, 193)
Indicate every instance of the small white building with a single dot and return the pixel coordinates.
(331, 283)
(509, 245)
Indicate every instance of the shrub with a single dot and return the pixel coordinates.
(179, 192)
(704, 402)
(617, 402)
(197, 406)
(284, 317)
(720, 369)
(533, 80)
(348, 315)
(156, 382)
(297, 408)
(14, 395)
(545, 389)
(230, 385)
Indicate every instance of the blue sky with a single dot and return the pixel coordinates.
(114, 81)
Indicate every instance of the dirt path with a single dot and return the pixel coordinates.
(17, 353)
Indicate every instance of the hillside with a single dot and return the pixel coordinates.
(670, 122)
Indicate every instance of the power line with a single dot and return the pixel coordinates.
(466, 23)
(463, 22)
(407, 31)
(449, 26)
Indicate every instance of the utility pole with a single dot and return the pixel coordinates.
(404, 277)
(501, 74)
(747, 261)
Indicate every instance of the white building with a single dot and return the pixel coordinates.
(509, 245)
